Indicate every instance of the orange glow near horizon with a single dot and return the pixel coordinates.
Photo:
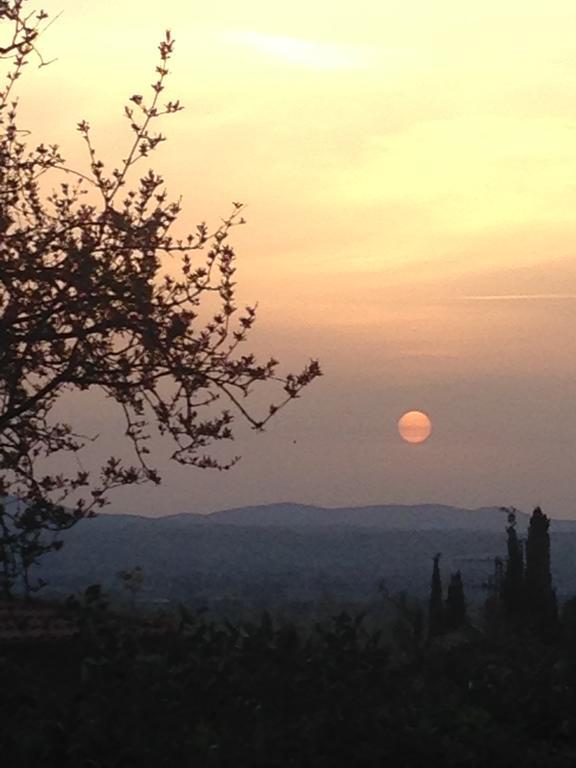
(410, 203)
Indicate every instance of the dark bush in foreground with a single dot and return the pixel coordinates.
(203, 694)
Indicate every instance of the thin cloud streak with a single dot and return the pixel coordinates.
(523, 297)
(308, 53)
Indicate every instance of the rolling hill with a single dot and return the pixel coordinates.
(292, 552)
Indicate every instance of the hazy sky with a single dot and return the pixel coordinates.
(410, 174)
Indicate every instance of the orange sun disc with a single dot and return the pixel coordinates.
(415, 427)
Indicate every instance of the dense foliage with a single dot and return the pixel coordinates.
(262, 695)
(192, 691)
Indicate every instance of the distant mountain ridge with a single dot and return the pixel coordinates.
(383, 517)
(399, 517)
(263, 555)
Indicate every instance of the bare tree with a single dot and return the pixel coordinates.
(85, 303)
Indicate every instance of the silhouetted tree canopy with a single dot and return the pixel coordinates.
(96, 292)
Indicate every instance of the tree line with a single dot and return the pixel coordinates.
(521, 592)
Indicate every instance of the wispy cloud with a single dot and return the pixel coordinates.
(307, 53)
(523, 297)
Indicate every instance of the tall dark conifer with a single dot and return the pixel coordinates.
(455, 609)
(540, 595)
(436, 605)
(512, 588)
(492, 607)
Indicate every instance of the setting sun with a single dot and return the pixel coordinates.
(251, 256)
(414, 427)
(409, 217)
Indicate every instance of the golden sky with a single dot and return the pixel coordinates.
(410, 173)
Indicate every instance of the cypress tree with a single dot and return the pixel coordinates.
(540, 595)
(435, 605)
(492, 606)
(498, 578)
(455, 609)
(512, 589)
